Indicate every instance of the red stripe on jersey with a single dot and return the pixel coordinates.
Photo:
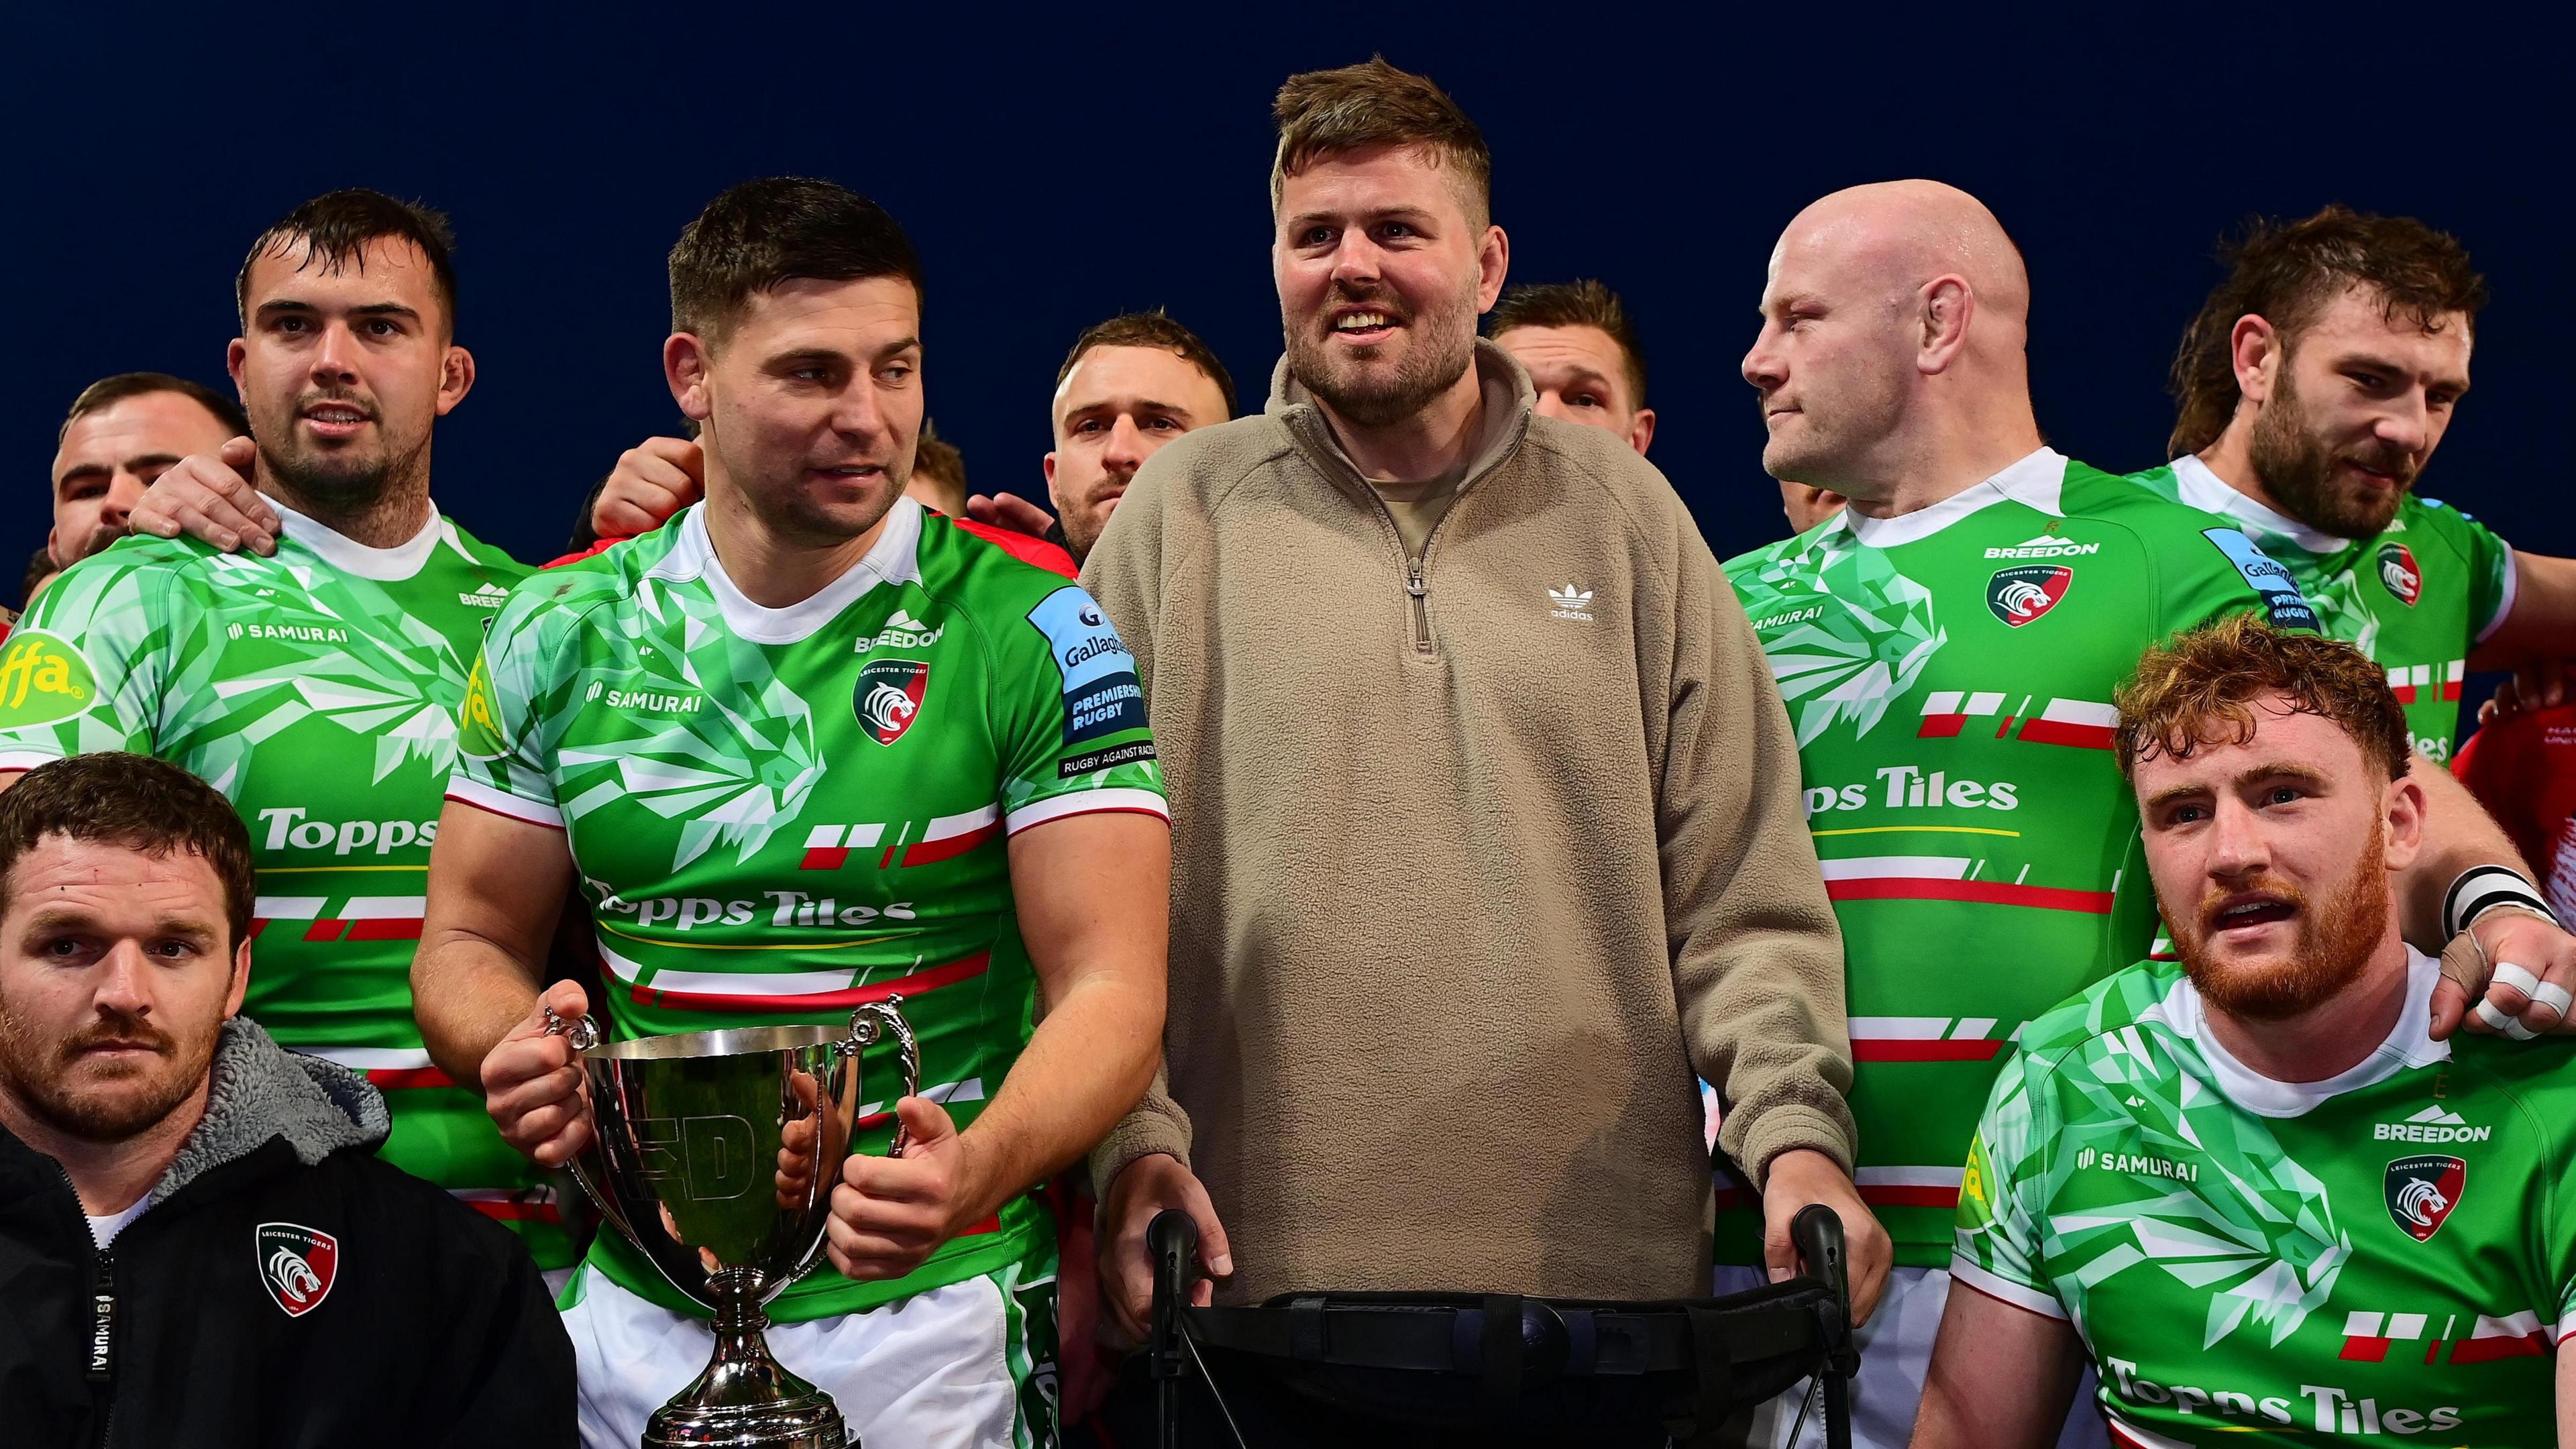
(386, 929)
(1022, 547)
(931, 852)
(2005, 728)
(2489, 1349)
(2059, 732)
(509, 1212)
(2364, 1350)
(325, 929)
(824, 857)
(2451, 690)
(398, 1077)
(920, 981)
(1884, 1194)
(1941, 726)
(1895, 1049)
(1982, 892)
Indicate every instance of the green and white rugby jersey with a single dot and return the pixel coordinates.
(1949, 674)
(2418, 598)
(317, 689)
(779, 814)
(2384, 1257)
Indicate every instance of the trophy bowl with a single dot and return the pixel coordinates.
(716, 1153)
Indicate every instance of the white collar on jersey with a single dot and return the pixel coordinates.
(2410, 1044)
(2038, 480)
(384, 565)
(2209, 493)
(893, 559)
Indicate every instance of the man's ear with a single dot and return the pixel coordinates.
(233, 356)
(1046, 465)
(1641, 432)
(1949, 309)
(686, 362)
(455, 379)
(241, 980)
(2254, 345)
(2403, 816)
(1493, 263)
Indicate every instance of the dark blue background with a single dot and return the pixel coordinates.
(1057, 166)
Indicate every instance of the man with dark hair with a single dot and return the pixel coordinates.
(41, 570)
(2311, 392)
(1575, 341)
(2252, 1187)
(1473, 1068)
(199, 1241)
(811, 745)
(122, 433)
(316, 687)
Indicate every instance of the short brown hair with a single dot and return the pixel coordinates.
(134, 801)
(1152, 329)
(760, 234)
(2287, 273)
(107, 392)
(2199, 690)
(1582, 302)
(334, 229)
(1325, 112)
(940, 461)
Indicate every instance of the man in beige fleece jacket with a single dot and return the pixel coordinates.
(1488, 834)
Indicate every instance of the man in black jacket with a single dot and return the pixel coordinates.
(197, 1243)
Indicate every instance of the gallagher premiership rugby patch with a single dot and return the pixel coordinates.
(1101, 695)
(2283, 604)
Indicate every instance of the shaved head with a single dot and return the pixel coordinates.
(1895, 317)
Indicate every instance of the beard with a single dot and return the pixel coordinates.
(96, 1105)
(342, 481)
(1439, 345)
(2335, 940)
(2298, 468)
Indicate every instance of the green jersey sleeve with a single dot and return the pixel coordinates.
(502, 761)
(2223, 573)
(2491, 570)
(1073, 735)
(90, 666)
(1998, 1249)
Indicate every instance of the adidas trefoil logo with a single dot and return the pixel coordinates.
(490, 596)
(1571, 603)
(903, 631)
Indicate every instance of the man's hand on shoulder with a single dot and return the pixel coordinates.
(1009, 510)
(1801, 1176)
(209, 496)
(1144, 1188)
(2519, 968)
(652, 481)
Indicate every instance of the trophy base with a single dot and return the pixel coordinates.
(808, 1421)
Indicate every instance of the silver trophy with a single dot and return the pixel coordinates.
(715, 1153)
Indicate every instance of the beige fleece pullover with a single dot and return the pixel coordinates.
(1472, 869)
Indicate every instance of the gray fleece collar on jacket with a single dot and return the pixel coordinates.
(1510, 401)
(261, 1090)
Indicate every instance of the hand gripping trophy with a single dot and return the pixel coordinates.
(715, 1153)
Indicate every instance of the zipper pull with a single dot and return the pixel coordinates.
(1413, 583)
(102, 1332)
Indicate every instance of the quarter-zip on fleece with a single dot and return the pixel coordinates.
(1477, 859)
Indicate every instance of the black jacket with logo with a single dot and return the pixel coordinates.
(284, 1288)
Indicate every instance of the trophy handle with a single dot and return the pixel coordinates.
(581, 1034)
(878, 1019)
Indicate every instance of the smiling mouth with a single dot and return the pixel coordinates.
(1363, 326)
(2247, 915)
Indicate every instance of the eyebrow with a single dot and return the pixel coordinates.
(1391, 213)
(370, 309)
(2268, 770)
(65, 918)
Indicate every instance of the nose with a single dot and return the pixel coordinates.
(1126, 449)
(123, 492)
(1357, 261)
(2238, 845)
(859, 413)
(124, 981)
(1763, 366)
(335, 359)
(2407, 424)
(1551, 404)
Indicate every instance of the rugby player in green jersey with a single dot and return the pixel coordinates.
(1947, 646)
(316, 687)
(805, 746)
(2252, 1187)
(2313, 388)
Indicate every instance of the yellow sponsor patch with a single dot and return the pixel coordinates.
(43, 678)
(478, 733)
